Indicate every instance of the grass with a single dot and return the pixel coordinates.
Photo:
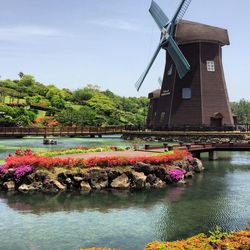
(8, 98)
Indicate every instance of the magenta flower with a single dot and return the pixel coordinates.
(176, 174)
(21, 171)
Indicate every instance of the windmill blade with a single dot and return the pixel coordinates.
(181, 63)
(181, 11)
(159, 16)
(144, 74)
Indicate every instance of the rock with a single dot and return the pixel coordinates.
(26, 188)
(151, 178)
(40, 176)
(159, 183)
(155, 182)
(85, 186)
(182, 164)
(9, 175)
(113, 173)
(100, 184)
(139, 179)
(161, 172)
(181, 182)
(147, 185)
(121, 182)
(68, 181)
(69, 175)
(189, 175)
(198, 166)
(98, 179)
(77, 178)
(58, 185)
(28, 179)
(37, 185)
(143, 167)
(9, 185)
(62, 177)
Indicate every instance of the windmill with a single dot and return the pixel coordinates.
(193, 91)
(167, 41)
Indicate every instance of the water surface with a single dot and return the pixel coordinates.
(219, 196)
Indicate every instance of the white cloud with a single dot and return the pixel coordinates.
(117, 24)
(14, 33)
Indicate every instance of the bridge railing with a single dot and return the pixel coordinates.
(5, 131)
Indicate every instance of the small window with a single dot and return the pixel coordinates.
(186, 93)
(210, 66)
(170, 71)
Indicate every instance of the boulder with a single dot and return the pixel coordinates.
(121, 182)
(28, 179)
(41, 176)
(155, 182)
(143, 167)
(189, 174)
(113, 173)
(198, 166)
(58, 185)
(26, 188)
(77, 178)
(62, 177)
(151, 178)
(98, 179)
(161, 172)
(158, 183)
(139, 179)
(182, 164)
(85, 186)
(38, 185)
(9, 175)
(9, 185)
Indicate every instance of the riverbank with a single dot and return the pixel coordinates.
(216, 240)
(26, 172)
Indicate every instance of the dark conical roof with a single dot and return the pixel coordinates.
(192, 32)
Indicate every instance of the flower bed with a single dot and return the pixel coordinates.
(216, 240)
(27, 158)
(80, 149)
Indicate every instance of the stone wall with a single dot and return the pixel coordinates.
(139, 176)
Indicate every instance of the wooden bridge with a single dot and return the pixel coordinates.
(62, 131)
(196, 149)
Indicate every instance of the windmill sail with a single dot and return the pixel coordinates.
(160, 18)
(181, 63)
(143, 76)
(181, 11)
(167, 40)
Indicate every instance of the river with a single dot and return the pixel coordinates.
(219, 196)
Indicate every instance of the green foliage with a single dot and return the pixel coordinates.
(87, 106)
(16, 116)
(27, 80)
(217, 235)
(82, 95)
(242, 110)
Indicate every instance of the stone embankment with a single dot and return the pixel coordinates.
(140, 176)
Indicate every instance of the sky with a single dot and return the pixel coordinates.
(72, 43)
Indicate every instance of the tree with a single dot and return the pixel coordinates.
(82, 95)
(242, 110)
(57, 102)
(27, 80)
(21, 74)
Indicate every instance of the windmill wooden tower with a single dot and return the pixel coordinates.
(193, 91)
